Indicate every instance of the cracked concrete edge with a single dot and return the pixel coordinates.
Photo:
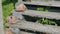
(1, 19)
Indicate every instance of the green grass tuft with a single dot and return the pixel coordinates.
(7, 7)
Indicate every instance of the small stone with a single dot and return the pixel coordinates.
(8, 31)
(21, 8)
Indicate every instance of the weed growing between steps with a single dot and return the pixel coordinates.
(43, 8)
(42, 20)
(46, 21)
